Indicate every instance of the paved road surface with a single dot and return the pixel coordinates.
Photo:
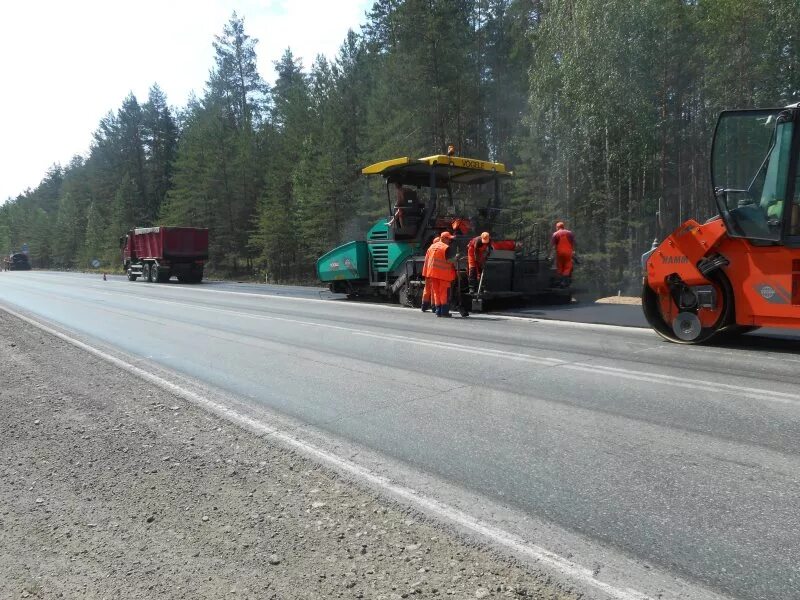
(686, 458)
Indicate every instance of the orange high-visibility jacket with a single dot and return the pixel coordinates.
(439, 267)
(428, 258)
(477, 253)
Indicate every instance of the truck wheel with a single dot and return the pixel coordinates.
(146, 273)
(131, 276)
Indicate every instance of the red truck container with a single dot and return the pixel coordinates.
(158, 253)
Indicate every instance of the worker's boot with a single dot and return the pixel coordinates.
(445, 308)
(426, 306)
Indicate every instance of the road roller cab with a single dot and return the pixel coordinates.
(741, 269)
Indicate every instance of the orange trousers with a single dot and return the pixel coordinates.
(441, 291)
(427, 292)
(564, 264)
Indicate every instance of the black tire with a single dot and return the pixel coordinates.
(131, 276)
(146, 273)
(403, 297)
(155, 274)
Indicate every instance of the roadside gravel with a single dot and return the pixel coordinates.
(113, 488)
(628, 300)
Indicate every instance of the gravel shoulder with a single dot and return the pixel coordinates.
(113, 488)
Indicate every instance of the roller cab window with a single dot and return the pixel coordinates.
(750, 170)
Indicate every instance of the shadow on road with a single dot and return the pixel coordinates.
(772, 340)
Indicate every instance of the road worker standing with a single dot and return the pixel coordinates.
(427, 289)
(441, 273)
(478, 251)
(563, 242)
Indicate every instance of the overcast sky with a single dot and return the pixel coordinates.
(65, 63)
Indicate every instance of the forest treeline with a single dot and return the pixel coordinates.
(603, 108)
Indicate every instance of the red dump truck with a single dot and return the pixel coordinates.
(158, 253)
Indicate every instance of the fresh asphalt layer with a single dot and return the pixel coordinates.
(681, 457)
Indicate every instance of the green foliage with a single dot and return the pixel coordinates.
(5, 232)
(603, 108)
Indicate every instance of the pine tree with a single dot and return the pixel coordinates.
(276, 236)
(218, 176)
(160, 140)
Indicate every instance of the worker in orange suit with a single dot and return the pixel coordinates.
(563, 242)
(478, 251)
(427, 289)
(441, 273)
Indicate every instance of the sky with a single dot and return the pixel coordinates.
(64, 64)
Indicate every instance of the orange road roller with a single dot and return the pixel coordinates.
(741, 269)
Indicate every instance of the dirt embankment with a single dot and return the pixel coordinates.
(111, 488)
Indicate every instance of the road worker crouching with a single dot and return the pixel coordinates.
(478, 251)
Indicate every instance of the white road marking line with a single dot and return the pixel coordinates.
(426, 504)
(682, 380)
(693, 384)
(488, 317)
(547, 361)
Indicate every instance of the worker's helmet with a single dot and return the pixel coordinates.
(485, 237)
(560, 225)
(446, 237)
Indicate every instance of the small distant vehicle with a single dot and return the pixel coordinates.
(158, 253)
(426, 196)
(18, 262)
(739, 270)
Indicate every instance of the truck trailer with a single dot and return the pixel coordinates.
(158, 253)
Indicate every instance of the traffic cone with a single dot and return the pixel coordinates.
(104, 277)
